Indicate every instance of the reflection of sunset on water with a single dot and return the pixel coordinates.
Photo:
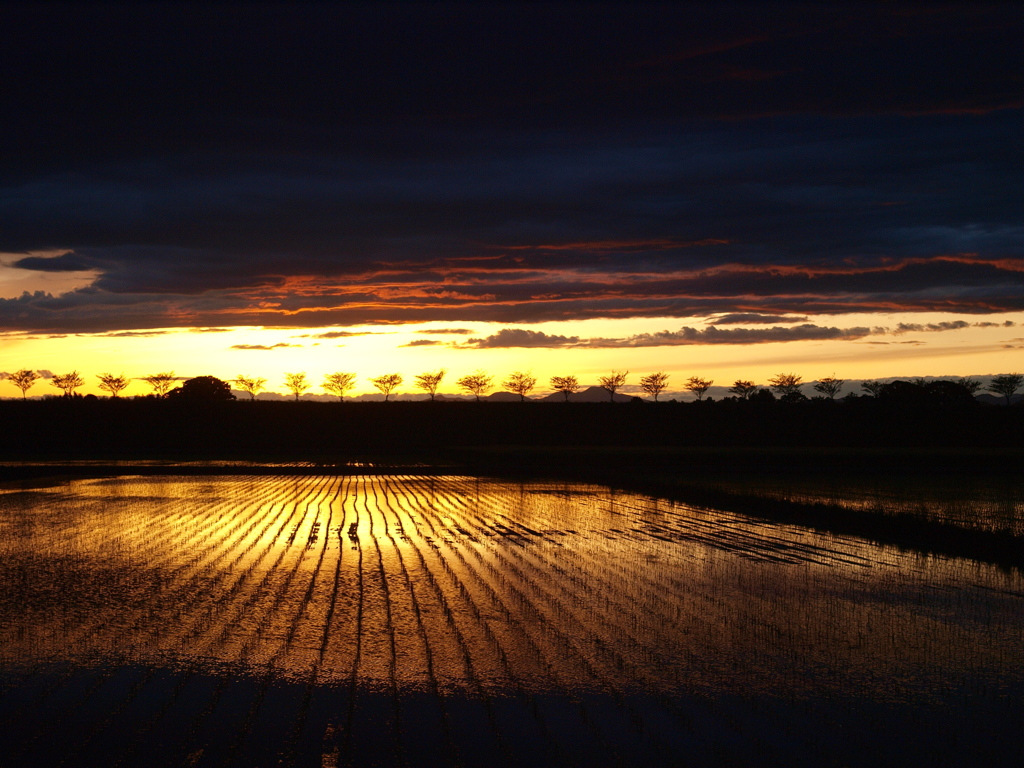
(461, 585)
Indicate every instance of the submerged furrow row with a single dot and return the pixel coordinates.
(182, 602)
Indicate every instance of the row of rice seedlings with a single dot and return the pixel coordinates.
(742, 569)
(516, 643)
(547, 579)
(378, 660)
(542, 589)
(182, 601)
(100, 635)
(446, 624)
(415, 634)
(184, 604)
(234, 612)
(296, 608)
(225, 626)
(955, 643)
(538, 594)
(508, 641)
(94, 625)
(744, 534)
(393, 517)
(547, 566)
(660, 660)
(992, 505)
(288, 753)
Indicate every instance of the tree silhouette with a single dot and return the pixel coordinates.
(520, 383)
(429, 382)
(873, 388)
(112, 384)
(339, 383)
(251, 386)
(699, 386)
(387, 383)
(971, 385)
(830, 386)
(477, 383)
(1006, 384)
(786, 385)
(613, 382)
(23, 380)
(202, 388)
(743, 389)
(160, 382)
(567, 385)
(296, 383)
(654, 384)
(68, 382)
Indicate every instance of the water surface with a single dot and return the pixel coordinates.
(405, 620)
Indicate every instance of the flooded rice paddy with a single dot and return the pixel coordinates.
(454, 621)
(975, 501)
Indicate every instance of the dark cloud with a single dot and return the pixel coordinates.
(129, 334)
(209, 330)
(310, 165)
(521, 337)
(713, 335)
(961, 284)
(67, 262)
(753, 317)
(455, 331)
(949, 325)
(263, 346)
(341, 334)
(422, 343)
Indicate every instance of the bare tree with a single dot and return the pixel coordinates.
(251, 386)
(786, 384)
(429, 382)
(613, 383)
(1006, 384)
(68, 382)
(830, 386)
(339, 383)
(112, 384)
(296, 383)
(23, 380)
(654, 384)
(971, 385)
(699, 386)
(387, 383)
(160, 382)
(873, 388)
(520, 383)
(567, 385)
(743, 389)
(477, 383)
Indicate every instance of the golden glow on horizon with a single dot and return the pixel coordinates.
(372, 350)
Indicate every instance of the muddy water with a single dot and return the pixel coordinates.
(327, 621)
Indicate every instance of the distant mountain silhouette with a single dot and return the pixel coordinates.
(589, 395)
(503, 397)
(990, 399)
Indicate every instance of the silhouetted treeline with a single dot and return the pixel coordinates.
(148, 427)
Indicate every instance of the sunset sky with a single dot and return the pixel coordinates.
(720, 190)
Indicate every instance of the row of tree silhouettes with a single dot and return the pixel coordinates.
(787, 386)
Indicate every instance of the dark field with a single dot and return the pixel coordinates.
(431, 619)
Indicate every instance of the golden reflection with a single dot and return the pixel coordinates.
(457, 584)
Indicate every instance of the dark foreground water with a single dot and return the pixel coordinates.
(424, 621)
